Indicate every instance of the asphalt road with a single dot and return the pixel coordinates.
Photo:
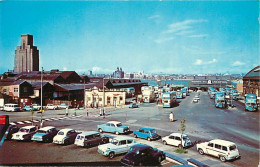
(203, 122)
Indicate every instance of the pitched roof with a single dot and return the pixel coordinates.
(70, 87)
(253, 74)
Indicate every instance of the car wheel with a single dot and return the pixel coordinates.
(111, 155)
(100, 130)
(160, 159)
(201, 151)
(222, 158)
(66, 142)
(117, 133)
(148, 138)
(164, 142)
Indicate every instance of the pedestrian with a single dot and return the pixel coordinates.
(100, 112)
(171, 116)
(37, 127)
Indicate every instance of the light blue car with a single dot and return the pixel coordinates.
(113, 127)
(28, 108)
(45, 134)
(133, 105)
(146, 133)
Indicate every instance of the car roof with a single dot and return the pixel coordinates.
(65, 130)
(147, 128)
(222, 142)
(47, 128)
(141, 146)
(28, 127)
(114, 122)
(86, 133)
(177, 134)
(123, 138)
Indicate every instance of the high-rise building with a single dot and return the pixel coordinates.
(119, 73)
(26, 55)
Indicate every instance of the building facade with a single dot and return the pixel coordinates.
(119, 73)
(94, 97)
(251, 82)
(26, 55)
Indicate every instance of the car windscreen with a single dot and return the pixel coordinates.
(231, 148)
(119, 124)
(153, 131)
(24, 130)
(61, 133)
(185, 138)
(41, 131)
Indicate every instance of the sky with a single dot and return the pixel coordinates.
(172, 37)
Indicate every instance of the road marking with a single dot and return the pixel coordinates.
(61, 118)
(20, 123)
(13, 123)
(28, 121)
(165, 163)
(55, 119)
(35, 121)
(47, 119)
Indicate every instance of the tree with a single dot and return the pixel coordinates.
(182, 129)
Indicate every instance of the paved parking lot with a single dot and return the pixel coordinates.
(204, 122)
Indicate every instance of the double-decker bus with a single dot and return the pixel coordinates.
(220, 100)
(251, 102)
(168, 99)
(179, 95)
(148, 95)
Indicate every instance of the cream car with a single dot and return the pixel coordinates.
(224, 150)
(118, 145)
(24, 133)
(177, 139)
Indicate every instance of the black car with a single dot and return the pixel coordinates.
(11, 130)
(143, 155)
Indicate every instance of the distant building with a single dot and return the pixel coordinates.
(119, 73)
(129, 75)
(251, 82)
(26, 55)
(90, 73)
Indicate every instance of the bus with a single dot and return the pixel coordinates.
(234, 94)
(251, 102)
(11, 107)
(220, 100)
(179, 95)
(148, 95)
(212, 92)
(168, 99)
(184, 92)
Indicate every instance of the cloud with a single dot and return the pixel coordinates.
(184, 25)
(161, 40)
(238, 63)
(201, 62)
(96, 69)
(198, 36)
(154, 17)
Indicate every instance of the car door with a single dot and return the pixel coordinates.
(122, 146)
(107, 127)
(210, 148)
(171, 140)
(113, 127)
(217, 150)
(177, 140)
(97, 139)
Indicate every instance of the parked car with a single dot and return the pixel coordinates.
(28, 108)
(196, 99)
(113, 127)
(11, 130)
(143, 155)
(87, 139)
(45, 134)
(224, 150)
(177, 139)
(65, 136)
(146, 133)
(12, 107)
(36, 106)
(64, 106)
(1, 108)
(118, 145)
(51, 107)
(25, 133)
(133, 105)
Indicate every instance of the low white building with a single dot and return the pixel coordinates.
(94, 97)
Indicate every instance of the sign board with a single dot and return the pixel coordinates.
(4, 120)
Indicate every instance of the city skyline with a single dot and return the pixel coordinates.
(155, 37)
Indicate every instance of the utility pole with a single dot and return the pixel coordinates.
(84, 92)
(103, 95)
(41, 94)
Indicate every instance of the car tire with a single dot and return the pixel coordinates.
(222, 158)
(100, 130)
(117, 133)
(111, 155)
(148, 138)
(201, 152)
(66, 142)
(164, 142)
(135, 135)
(159, 159)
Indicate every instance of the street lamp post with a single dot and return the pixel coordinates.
(103, 96)
(84, 92)
(41, 95)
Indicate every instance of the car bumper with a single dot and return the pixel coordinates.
(37, 139)
(233, 157)
(105, 153)
(58, 142)
(17, 138)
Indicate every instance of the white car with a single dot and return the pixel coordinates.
(175, 139)
(24, 133)
(196, 100)
(224, 150)
(51, 107)
(65, 136)
(36, 106)
(118, 145)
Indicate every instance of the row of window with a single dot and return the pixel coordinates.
(108, 99)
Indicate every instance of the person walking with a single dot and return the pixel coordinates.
(171, 116)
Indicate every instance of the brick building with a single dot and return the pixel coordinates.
(251, 82)
(26, 55)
